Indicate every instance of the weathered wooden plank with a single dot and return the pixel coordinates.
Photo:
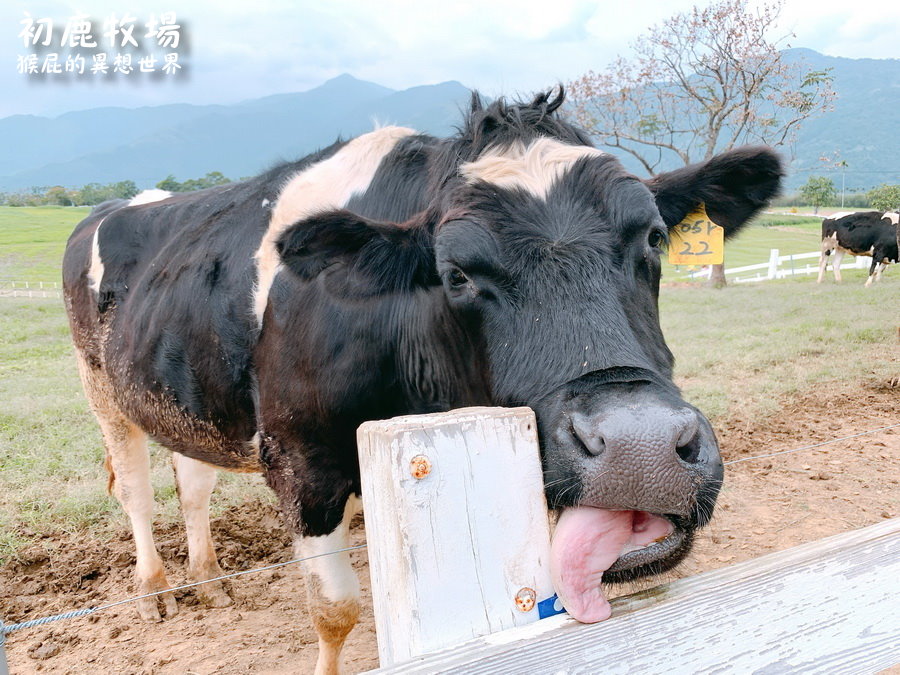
(831, 606)
(449, 551)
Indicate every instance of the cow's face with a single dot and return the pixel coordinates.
(547, 255)
(552, 253)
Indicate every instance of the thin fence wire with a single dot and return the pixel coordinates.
(10, 628)
(7, 629)
(814, 445)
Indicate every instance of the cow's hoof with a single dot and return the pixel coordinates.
(213, 595)
(148, 608)
(171, 606)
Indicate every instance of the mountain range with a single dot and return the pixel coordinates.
(146, 144)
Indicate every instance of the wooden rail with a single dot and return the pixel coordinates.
(830, 606)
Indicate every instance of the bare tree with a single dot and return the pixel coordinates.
(700, 83)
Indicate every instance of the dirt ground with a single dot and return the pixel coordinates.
(767, 505)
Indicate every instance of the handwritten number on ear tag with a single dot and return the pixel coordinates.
(697, 240)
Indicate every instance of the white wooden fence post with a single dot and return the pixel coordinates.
(457, 526)
(4, 664)
(773, 264)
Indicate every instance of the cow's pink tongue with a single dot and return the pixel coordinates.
(586, 542)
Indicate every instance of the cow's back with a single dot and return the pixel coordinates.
(856, 233)
(159, 297)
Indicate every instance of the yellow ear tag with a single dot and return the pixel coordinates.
(697, 240)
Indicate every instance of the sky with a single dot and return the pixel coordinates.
(244, 49)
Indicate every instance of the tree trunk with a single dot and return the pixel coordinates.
(717, 277)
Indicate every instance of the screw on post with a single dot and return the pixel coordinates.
(419, 467)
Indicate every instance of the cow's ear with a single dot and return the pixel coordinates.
(391, 256)
(734, 186)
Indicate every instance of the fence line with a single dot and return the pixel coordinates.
(814, 445)
(30, 289)
(6, 629)
(827, 606)
(773, 269)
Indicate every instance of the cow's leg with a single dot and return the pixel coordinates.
(872, 268)
(332, 588)
(823, 265)
(836, 265)
(129, 462)
(195, 482)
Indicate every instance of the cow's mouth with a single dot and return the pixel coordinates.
(591, 545)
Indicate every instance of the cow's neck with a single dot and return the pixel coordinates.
(439, 362)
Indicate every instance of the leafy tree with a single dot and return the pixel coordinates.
(211, 179)
(701, 82)
(885, 197)
(169, 183)
(59, 196)
(125, 189)
(818, 191)
(94, 193)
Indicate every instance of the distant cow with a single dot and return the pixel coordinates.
(869, 233)
(254, 326)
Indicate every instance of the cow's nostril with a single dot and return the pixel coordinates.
(690, 451)
(582, 428)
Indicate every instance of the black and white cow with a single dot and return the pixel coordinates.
(869, 233)
(254, 326)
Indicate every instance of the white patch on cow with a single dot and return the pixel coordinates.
(149, 196)
(95, 273)
(841, 214)
(265, 202)
(534, 168)
(333, 574)
(329, 184)
(893, 216)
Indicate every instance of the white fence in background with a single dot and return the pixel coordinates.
(779, 267)
(30, 289)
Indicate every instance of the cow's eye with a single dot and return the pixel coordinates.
(656, 239)
(456, 278)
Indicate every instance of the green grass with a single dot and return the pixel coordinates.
(741, 350)
(51, 452)
(789, 234)
(32, 240)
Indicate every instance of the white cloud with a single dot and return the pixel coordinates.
(247, 49)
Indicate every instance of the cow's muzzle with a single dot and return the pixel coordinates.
(634, 470)
(630, 442)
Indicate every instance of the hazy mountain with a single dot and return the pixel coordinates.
(146, 144)
(864, 127)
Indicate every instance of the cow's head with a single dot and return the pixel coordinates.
(547, 253)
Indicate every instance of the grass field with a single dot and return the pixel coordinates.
(739, 351)
(32, 241)
(51, 453)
